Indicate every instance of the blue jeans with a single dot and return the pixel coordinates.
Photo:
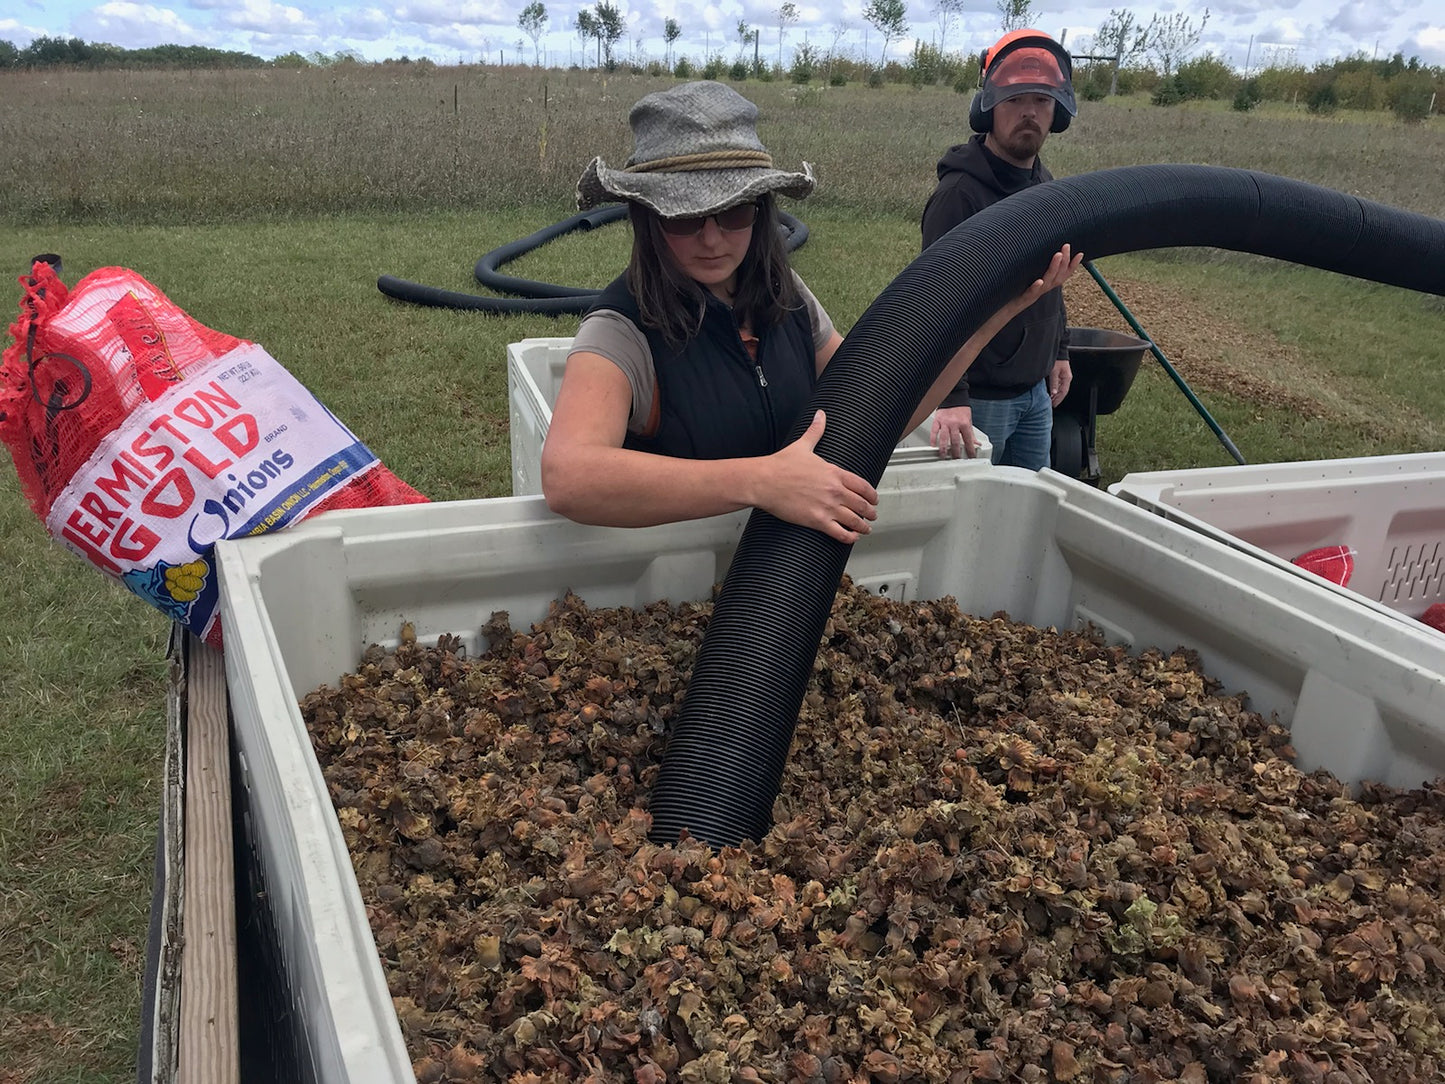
(1020, 428)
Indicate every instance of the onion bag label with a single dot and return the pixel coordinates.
(141, 437)
(238, 448)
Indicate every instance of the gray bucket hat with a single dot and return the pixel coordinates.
(695, 151)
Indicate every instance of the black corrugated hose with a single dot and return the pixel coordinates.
(725, 757)
(532, 296)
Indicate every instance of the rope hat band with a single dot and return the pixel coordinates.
(682, 163)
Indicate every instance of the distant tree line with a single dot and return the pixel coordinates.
(1408, 88)
(1123, 57)
(48, 52)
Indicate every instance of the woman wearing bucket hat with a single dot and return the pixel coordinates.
(687, 374)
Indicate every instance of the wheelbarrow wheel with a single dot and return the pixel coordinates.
(1067, 454)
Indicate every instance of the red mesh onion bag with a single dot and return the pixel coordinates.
(142, 437)
(1333, 563)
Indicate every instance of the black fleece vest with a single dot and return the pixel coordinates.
(714, 401)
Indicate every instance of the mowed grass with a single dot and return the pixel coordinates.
(82, 722)
(266, 205)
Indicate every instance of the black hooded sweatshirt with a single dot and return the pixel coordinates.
(970, 178)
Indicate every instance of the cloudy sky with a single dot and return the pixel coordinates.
(1244, 32)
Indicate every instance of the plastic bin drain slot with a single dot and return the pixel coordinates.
(1416, 573)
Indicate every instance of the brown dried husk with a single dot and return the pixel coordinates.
(1000, 853)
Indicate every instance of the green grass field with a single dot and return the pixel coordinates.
(267, 203)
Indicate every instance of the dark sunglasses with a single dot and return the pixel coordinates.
(731, 220)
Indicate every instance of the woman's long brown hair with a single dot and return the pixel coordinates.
(673, 304)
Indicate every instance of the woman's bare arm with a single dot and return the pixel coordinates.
(588, 476)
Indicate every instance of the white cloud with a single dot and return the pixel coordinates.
(13, 30)
(1428, 43)
(1281, 32)
(266, 16)
(138, 26)
(370, 23)
(1366, 19)
(714, 20)
(1355, 18)
(446, 14)
(1245, 10)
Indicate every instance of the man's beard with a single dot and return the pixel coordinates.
(1022, 142)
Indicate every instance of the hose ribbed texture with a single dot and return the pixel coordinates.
(730, 740)
(487, 274)
(533, 296)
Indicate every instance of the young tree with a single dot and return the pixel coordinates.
(587, 28)
(1122, 38)
(610, 27)
(747, 35)
(889, 18)
(841, 30)
(1015, 14)
(947, 11)
(533, 22)
(787, 16)
(1171, 39)
(671, 31)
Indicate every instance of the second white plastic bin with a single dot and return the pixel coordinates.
(1389, 509)
(534, 375)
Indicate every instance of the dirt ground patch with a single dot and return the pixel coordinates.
(1213, 352)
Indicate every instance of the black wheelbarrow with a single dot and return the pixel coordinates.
(1104, 364)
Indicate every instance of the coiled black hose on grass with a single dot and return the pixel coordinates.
(729, 743)
(532, 296)
(486, 271)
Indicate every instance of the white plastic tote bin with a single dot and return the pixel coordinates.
(534, 375)
(1364, 693)
(1389, 509)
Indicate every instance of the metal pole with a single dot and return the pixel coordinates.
(1159, 356)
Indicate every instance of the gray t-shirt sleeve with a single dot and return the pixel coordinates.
(621, 342)
(817, 315)
(616, 338)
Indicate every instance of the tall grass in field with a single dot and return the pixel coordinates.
(266, 203)
(206, 146)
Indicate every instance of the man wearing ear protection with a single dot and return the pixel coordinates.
(1025, 92)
